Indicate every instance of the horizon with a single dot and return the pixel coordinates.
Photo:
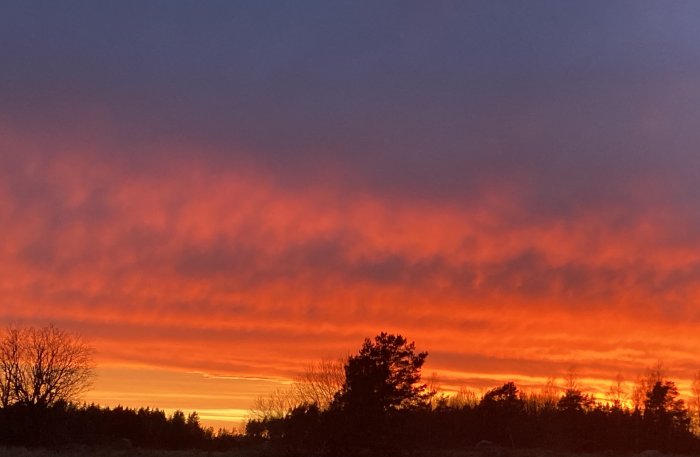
(217, 194)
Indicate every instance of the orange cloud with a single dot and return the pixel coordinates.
(191, 268)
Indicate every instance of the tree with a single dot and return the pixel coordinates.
(505, 398)
(382, 387)
(464, 398)
(500, 411)
(274, 405)
(575, 401)
(10, 356)
(549, 393)
(694, 403)
(662, 402)
(42, 366)
(665, 415)
(319, 383)
(616, 392)
(645, 383)
(385, 376)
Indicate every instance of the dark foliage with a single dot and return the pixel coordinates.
(665, 416)
(380, 381)
(500, 411)
(384, 376)
(382, 406)
(63, 423)
(499, 417)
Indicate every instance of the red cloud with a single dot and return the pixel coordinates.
(229, 271)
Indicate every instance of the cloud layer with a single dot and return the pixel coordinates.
(237, 189)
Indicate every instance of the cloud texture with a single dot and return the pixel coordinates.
(236, 189)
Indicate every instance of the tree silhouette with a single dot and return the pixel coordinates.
(694, 404)
(665, 414)
(42, 366)
(616, 392)
(504, 398)
(575, 401)
(662, 403)
(384, 376)
(382, 380)
(319, 383)
(500, 412)
(645, 383)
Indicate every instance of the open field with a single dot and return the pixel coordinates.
(84, 451)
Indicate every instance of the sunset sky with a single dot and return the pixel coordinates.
(215, 194)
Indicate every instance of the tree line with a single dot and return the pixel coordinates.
(373, 400)
(382, 404)
(43, 372)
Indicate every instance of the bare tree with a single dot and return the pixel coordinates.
(550, 393)
(543, 399)
(319, 383)
(274, 405)
(10, 360)
(464, 398)
(694, 403)
(571, 379)
(645, 384)
(617, 393)
(434, 387)
(40, 366)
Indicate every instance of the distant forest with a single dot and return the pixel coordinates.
(374, 400)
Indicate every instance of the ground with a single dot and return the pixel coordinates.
(83, 451)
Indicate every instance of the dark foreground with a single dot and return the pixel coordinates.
(86, 451)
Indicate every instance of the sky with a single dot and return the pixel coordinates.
(216, 194)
